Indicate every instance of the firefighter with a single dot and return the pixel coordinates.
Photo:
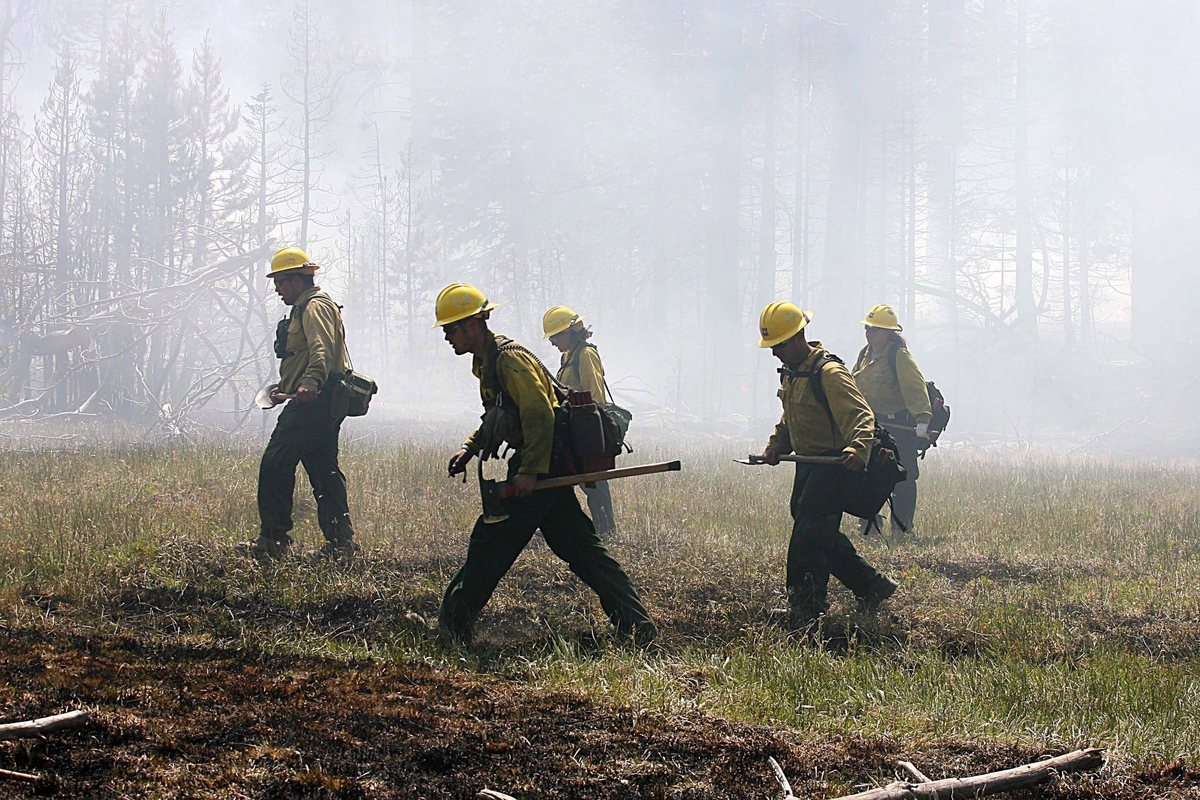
(519, 403)
(843, 427)
(311, 343)
(580, 370)
(889, 378)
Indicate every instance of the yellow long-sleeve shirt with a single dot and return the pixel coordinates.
(582, 371)
(892, 393)
(530, 427)
(805, 429)
(316, 339)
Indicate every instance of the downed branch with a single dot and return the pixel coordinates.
(36, 727)
(780, 776)
(492, 794)
(911, 769)
(992, 783)
(18, 776)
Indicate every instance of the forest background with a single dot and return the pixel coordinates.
(1018, 177)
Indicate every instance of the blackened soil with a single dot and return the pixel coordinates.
(204, 722)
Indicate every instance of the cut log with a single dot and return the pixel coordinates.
(992, 783)
(38, 727)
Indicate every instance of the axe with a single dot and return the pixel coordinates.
(495, 493)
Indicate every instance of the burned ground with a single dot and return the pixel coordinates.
(172, 720)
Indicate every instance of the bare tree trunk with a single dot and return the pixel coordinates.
(1023, 286)
(945, 61)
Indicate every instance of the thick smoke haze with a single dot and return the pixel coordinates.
(1017, 177)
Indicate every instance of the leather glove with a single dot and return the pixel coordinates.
(922, 431)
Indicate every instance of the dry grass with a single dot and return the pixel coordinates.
(1050, 602)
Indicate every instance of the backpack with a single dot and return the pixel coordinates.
(587, 438)
(937, 404)
(872, 488)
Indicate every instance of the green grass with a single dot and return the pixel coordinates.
(1050, 601)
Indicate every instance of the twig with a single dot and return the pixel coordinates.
(991, 783)
(781, 777)
(19, 776)
(36, 727)
(911, 769)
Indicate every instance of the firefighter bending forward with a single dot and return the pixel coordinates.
(311, 342)
(519, 407)
(845, 429)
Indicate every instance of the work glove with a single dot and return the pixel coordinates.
(458, 462)
(923, 431)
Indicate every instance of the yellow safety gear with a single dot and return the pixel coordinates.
(558, 319)
(581, 370)
(530, 426)
(292, 259)
(459, 301)
(805, 429)
(779, 322)
(316, 343)
(883, 316)
(892, 383)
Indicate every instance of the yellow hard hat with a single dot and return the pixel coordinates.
(459, 301)
(779, 322)
(292, 259)
(883, 316)
(558, 319)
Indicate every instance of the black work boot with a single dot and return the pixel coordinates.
(339, 545)
(869, 606)
(270, 546)
(641, 635)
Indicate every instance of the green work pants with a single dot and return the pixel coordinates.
(904, 496)
(569, 534)
(306, 433)
(818, 548)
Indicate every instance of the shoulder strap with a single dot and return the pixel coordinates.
(892, 354)
(298, 309)
(603, 380)
(506, 345)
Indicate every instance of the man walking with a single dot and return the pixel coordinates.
(311, 343)
(520, 400)
(824, 414)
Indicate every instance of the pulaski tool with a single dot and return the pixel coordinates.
(265, 401)
(758, 460)
(496, 493)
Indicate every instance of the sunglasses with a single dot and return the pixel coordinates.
(452, 327)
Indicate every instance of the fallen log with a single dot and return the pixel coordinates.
(1005, 780)
(492, 794)
(38, 727)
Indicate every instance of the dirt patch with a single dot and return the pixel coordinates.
(203, 722)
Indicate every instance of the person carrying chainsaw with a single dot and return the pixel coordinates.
(581, 370)
(520, 401)
(829, 419)
(311, 343)
(888, 376)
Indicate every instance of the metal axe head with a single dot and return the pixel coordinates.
(493, 495)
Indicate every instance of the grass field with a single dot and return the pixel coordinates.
(1049, 604)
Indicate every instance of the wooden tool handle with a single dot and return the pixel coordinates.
(607, 475)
